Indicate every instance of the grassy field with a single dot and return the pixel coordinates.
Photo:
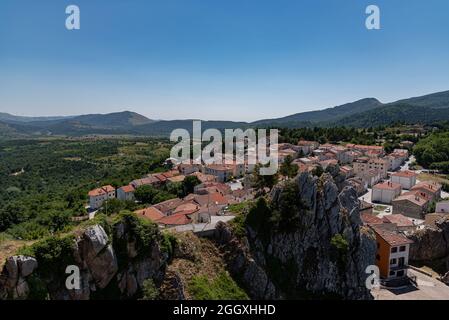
(440, 178)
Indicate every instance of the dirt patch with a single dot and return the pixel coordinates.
(9, 247)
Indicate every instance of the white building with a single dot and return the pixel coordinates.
(407, 179)
(100, 195)
(126, 193)
(385, 192)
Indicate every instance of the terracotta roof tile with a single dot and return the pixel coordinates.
(391, 237)
(150, 213)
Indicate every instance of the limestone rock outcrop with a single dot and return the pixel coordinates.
(324, 255)
(120, 266)
(431, 246)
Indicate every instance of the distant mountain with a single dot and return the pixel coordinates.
(394, 113)
(362, 113)
(164, 128)
(112, 120)
(329, 114)
(424, 109)
(434, 100)
(6, 117)
(111, 123)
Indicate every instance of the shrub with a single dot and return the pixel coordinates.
(340, 251)
(149, 290)
(223, 287)
(168, 243)
(53, 254)
(238, 225)
(340, 243)
(145, 234)
(29, 230)
(38, 288)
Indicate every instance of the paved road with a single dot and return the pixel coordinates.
(428, 289)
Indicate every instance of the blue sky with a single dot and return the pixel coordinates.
(210, 59)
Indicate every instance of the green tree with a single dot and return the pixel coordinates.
(189, 183)
(149, 290)
(288, 168)
(145, 194)
(264, 181)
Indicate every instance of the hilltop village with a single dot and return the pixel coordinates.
(393, 201)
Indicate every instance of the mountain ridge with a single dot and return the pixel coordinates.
(367, 112)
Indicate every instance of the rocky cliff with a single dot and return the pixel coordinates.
(113, 261)
(305, 241)
(431, 245)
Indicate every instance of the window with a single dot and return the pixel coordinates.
(377, 257)
(394, 250)
(400, 273)
(393, 261)
(402, 248)
(392, 273)
(378, 245)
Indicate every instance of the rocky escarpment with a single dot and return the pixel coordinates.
(306, 241)
(112, 263)
(431, 245)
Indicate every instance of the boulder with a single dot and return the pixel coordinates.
(94, 240)
(103, 267)
(26, 265)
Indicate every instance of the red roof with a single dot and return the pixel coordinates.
(391, 237)
(432, 187)
(176, 219)
(405, 174)
(101, 191)
(370, 219)
(128, 188)
(387, 186)
(150, 213)
(160, 177)
(168, 205)
(399, 220)
(420, 199)
(212, 198)
(306, 143)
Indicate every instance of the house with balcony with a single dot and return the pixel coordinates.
(392, 253)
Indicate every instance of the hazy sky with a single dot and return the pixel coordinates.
(217, 59)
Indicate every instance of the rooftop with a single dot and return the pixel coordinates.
(404, 174)
(388, 186)
(128, 188)
(433, 187)
(101, 191)
(399, 220)
(391, 237)
(150, 213)
(370, 219)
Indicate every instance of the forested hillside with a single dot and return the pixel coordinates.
(45, 182)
